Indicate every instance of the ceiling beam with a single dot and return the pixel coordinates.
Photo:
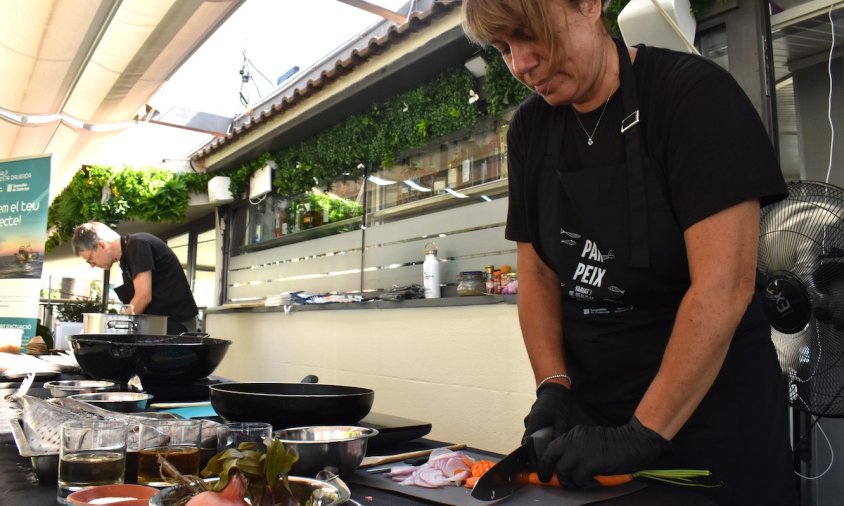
(387, 14)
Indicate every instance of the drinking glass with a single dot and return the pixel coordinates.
(230, 435)
(177, 441)
(92, 452)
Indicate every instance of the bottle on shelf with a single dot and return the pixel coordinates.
(431, 272)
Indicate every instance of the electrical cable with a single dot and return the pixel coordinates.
(252, 65)
(831, 453)
(829, 96)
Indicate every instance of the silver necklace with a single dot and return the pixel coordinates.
(590, 137)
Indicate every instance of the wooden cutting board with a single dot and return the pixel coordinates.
(460, 496)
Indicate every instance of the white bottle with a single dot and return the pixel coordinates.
(431, 272)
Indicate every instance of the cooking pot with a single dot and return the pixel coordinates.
(291, 404)
(115, 323)
(154, 358)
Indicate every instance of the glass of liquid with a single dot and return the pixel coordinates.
(176, 441)
(92, 453)
(232, 435)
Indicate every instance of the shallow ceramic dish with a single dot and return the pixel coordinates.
(122, 495)
(125, 402)
(66, 388)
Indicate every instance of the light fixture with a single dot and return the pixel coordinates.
(416, 186)
(476, 65)
(379, 181)
(455, 193)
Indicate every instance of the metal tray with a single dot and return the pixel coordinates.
(46, 464)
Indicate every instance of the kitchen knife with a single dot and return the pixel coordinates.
(500, 480)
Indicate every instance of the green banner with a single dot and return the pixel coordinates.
(24, 199)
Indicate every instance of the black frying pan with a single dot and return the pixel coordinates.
(291, 404)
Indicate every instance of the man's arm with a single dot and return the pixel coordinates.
(143, 291)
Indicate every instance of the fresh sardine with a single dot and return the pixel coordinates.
(42, 422)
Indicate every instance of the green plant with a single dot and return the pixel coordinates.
(502, 89)
(73, 311)
(104, 194)
(195, 182)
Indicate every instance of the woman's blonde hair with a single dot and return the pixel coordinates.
(486, 21)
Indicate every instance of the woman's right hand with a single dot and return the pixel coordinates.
(553, 408)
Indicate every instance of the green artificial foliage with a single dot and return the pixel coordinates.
(375, 136)
(104, 194)
(502, 89)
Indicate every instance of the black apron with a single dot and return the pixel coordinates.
(126, 291)
(623, 272)
(621, 265)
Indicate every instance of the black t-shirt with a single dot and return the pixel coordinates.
(706, 151)
(700, 129)
(171, 294)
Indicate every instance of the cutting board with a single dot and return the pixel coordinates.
(460, 496)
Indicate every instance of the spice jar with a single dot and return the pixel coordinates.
(470, 283)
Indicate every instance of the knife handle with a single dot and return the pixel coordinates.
(540, 441)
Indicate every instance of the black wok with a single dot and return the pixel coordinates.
(154, 358)
(291, 404)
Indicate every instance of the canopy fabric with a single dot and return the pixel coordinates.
(76, 72)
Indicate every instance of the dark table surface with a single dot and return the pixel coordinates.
(20, 486)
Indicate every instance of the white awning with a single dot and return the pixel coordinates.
(75, 73)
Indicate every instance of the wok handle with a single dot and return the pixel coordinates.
(377, 460)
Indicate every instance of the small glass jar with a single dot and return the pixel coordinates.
(470, 283)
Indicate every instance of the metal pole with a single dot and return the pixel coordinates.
(104, 303)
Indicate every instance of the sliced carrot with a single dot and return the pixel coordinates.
(481, 466)
(471, 481)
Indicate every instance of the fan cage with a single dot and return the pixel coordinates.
(803, 235)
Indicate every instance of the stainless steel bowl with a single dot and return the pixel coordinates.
(65, 388)
(339, 446)
(126, 402)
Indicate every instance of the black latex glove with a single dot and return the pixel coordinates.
(552, 408)
(587, 450)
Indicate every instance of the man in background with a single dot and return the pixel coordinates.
(154, 282)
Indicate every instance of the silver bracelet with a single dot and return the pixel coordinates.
(554, 376)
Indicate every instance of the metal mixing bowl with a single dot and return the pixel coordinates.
(65, 388)
(126, 402)
(339, 446)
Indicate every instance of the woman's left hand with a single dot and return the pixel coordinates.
(587, 450)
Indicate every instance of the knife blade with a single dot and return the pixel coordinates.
(500, 480)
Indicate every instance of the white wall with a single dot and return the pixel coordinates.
(464, 369)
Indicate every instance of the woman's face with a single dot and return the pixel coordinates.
(570, 75)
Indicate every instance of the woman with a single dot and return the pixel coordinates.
(636, 179)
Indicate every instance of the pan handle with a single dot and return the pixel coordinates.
(310, 378)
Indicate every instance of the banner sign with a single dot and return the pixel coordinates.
(24, 199)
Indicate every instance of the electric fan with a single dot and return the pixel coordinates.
(801, 260)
